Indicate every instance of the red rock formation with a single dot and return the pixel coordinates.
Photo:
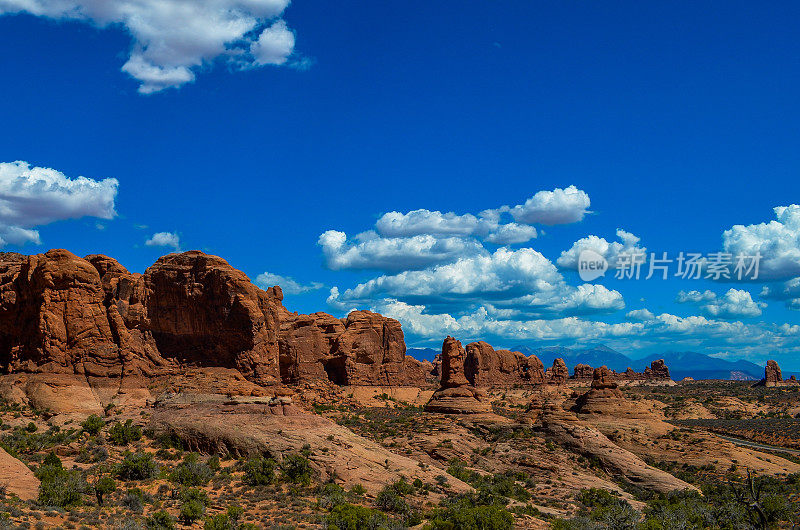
(603, 397)
(63, 314)
(603, 379)
(363, 349)
(582, 372)
(486, 367)
(772, 374)
(306, 346)
(657, 371)
(558, 373)
(16, 478)
(455, 395)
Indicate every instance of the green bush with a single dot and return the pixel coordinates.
(226, 521)
(160, 521)
(195, 494)
(354, 517)
(259, 471)
(93, 424)
(331, 495)
(136, 466)
(358, 490)
(473, 518)
(125, 433)
(103, 487)
(59, 487)
(191, 511)
(31, 427)
(388, 500)
(135, 499)
(20, 441)
(191, 472)
(297, 469)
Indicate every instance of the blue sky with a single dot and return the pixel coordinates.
(255, 138)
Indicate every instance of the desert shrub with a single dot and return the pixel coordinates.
(472, 518)
(191, 511)
(191, 472)
(213, 463)
(331, 495)
(388, 500)
(19, 441)
(227, 521)
(195, 494)
(59, 487)
(31, 427)
(93, 424)
(355, 517)
(259, 471)
(104, 486)
(125, 433)
(136, 466)
(170, 441)
(502, 484)
(597, 498)
(91, 453)
(128, 524)
(358, 490)
(218, 522)
(135, 499)
(297, 469)
(160, 520)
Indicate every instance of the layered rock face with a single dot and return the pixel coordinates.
(605, 398)
(363, 349)
(558, 373)
(484, 366)
(773, 376)
(455, 394)
(582, 372)
(63, 314)
(657, 371)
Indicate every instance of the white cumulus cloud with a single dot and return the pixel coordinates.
(788, 292)
(36, 196)
(735, 303)
(519, 282)
(287, 284)
(165, 239)
(777, 241)
(172, 39)
(487, 225)
(370, 251)
(557, 207)
(642, 315)
(628, 244)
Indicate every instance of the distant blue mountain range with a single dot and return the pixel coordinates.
(680, 363)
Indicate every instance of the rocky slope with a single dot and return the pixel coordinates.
(16, 478)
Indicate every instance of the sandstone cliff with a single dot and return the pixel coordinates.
(455, 394)
(656, 372)
(484, 366)
(61, 314)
